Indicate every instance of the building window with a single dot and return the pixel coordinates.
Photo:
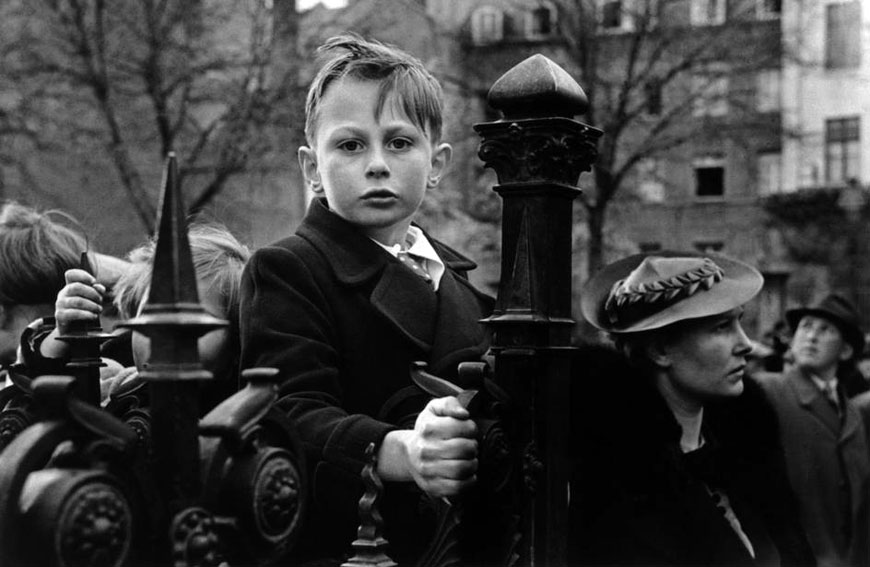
(653, 91)
(769, 173)
(614, 15)
(487, 25)
(843, 40)
(707, 246)
(768, 90)
(707, 12)
(710, 90)
(542, 21)
(513, 25)
(649, 186)
(842, 149)
(710, 176)
(767, 9)
(611, 14)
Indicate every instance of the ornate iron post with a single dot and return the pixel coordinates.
(538, 152)
(174, 320)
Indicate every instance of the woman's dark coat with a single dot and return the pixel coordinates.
(638, 500)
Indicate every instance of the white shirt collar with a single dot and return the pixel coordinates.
(822, 385)
(418, 245)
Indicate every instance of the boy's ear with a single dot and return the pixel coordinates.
(308, 164)
(440, 161)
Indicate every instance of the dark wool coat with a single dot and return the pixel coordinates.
(343, 320)
(828, 465)
(636, 499)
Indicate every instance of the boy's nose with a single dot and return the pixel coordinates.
(377, 166)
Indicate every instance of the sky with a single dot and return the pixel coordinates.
(305, 4)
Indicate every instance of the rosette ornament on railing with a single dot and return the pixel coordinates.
(538, 152)
(156, 485)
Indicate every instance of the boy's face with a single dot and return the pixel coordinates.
(373, 170)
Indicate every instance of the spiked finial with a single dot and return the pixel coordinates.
(173, 317)
(173, 271)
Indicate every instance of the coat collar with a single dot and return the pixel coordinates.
(353, 257)
(812, 400)
(407, 301)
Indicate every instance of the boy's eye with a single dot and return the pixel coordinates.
(350, 146)
(400, 143)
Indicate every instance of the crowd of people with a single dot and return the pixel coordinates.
(685, 454)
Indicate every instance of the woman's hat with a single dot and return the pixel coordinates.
(839, 311)
(649, 291)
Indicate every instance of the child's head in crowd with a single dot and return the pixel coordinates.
(36, 248)
(218, 259)
(373, 126)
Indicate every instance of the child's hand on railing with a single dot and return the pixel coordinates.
(439, 454)
(81, 299)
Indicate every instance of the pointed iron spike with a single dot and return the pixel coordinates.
(173, 279)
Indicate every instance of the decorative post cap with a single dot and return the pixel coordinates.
(537, 87)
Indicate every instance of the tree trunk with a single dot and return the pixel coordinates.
(595, 246)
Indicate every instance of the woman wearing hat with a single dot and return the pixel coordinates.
(678, 462)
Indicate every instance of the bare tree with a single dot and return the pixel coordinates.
(145, 77)
(649, 75)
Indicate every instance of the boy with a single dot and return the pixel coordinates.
(342, 312)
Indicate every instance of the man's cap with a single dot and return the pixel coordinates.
(838, 310)
(653, 290)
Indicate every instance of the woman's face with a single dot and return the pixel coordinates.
(704, 359)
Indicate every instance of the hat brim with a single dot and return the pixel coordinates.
(852, 334)
(740, 283)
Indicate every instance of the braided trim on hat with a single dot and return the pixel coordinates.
(625, 304)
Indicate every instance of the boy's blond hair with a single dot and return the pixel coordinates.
(419, 93)
(218, 259)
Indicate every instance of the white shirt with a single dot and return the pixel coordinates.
(418, 245)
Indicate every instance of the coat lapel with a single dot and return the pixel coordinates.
(851, 422)
(408, 302)
(402, 297)
(813, 401)
(456, 303)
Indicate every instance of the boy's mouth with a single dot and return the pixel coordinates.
(378, 195)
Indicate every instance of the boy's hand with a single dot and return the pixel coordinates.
(439, 454)
(81, 299)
